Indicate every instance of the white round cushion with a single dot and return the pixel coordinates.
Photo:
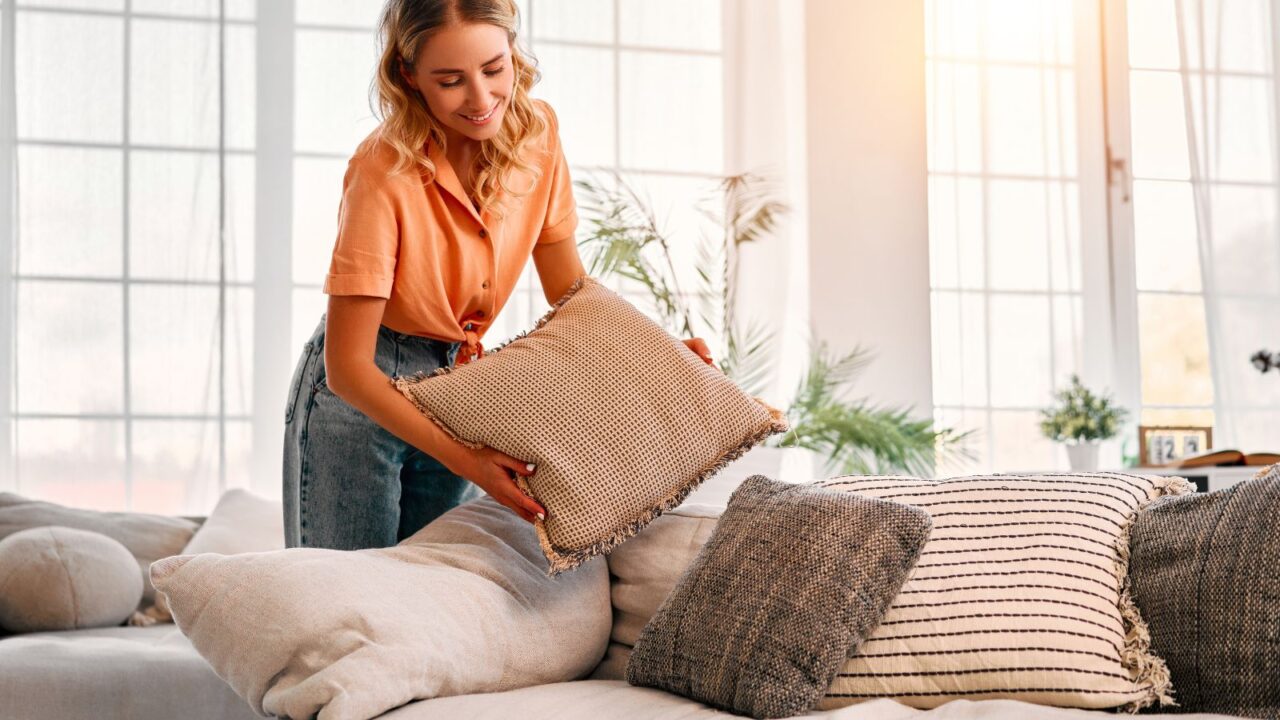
(59, 578)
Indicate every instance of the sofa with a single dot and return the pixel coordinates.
(154, 671)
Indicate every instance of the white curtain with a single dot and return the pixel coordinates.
(1227, 67)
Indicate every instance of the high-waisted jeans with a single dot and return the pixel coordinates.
(350, 484)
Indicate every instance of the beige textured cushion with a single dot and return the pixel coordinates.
(621, 419)
(148, 537)
(1021, 592)
(462, 606)
(58, 578)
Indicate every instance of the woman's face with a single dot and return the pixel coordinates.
(464, 72)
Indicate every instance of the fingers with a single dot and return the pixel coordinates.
(527, 505)
(699, 347)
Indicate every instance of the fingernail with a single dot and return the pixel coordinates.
(541, 516)
(529, 467)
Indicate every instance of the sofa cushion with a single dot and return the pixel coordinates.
(58, 578)
(793, 577)
(464, 605)
(148, 537)
(1204, 575)
(620, 418)
(1021, 592)
(113, 673)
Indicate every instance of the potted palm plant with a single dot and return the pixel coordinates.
(1081, 420)
(847, 436)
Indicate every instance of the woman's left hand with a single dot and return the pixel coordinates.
(699, 347)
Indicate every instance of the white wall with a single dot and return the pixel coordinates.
(867, 186)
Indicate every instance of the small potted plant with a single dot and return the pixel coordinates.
(1081, 420)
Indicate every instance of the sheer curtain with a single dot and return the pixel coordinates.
(1229, 89)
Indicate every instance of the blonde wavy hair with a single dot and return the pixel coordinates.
(407, 123)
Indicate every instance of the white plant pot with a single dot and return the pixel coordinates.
(1083, 456)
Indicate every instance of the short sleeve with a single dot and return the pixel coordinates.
(364, 254)
(562, 209)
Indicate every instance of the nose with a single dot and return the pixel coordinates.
(478, 97)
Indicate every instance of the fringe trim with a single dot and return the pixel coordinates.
(1147, 669)
(563, 559)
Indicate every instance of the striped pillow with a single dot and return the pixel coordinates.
(1020, 593)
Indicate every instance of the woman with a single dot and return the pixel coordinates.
(443, 204)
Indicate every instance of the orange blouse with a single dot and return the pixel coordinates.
(445, 270)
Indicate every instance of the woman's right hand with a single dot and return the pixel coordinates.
(491, 470)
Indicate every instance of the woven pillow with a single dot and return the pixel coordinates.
(792, 577)
(1020, 593)
(620, 418)
(1203, 569)
(462, 606)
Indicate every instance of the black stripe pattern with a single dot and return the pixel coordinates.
(1019, 593)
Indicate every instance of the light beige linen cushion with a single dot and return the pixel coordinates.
(1021, 592)
(148, 537)
(620, 418)
(58, 578)
(241, 522)
(462, 606)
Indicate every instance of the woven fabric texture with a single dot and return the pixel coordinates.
(620, 418)
(792, 577)
(1021, 593)
(1205, 577)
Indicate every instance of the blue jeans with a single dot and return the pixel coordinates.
(349, 484)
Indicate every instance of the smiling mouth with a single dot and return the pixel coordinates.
(484, 117)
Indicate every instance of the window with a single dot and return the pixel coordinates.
(173, 220)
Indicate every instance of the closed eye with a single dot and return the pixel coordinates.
(456, 83)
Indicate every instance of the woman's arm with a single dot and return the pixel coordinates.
(351, 337)
(559, 266)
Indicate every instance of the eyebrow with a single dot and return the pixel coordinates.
(454, 71)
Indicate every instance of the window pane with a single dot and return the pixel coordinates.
(350, 13)
(52, 241)
(1016, 225)
(580, 20)
(240, 183)
(1021, 367)
(955, 124)
(109, 5)
(1246, 254)
(1159, 129)
(173, 102)
(978, 443)
(1153, 34)
(684, 24)
(1174, 350)
(1249, 325)
(1196, 417)
(72, 462)
(657, 88)
(333, 71)
(959, 326)
(1029, 30)
(173, 215)
(578, 82)
(238, 351)
(69, 347)
(958, 255)
(175, 466)
(952, 27)
(241, 57)
(317, 192)
(1238, 140)
(1063, 229)
(173, 336)
(87, 101)
(1165, 247)
(1019, 444)
(235, 9)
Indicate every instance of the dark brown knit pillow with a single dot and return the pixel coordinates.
(793, 578)
(1203, 569)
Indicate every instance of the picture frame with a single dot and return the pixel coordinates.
(1160, 445)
